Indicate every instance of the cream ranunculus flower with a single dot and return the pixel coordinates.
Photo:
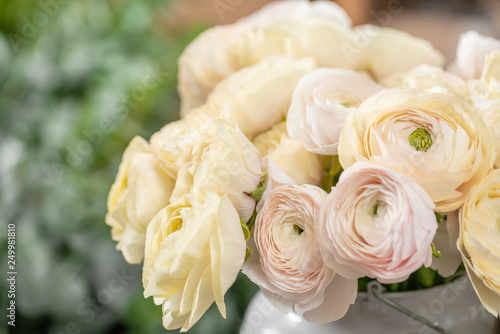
(290, 155)
(202, 66)
(293, 9)
(257, 97)
(140, 190)
(297, 38)
(472, 50)
(479, 240)
(225, 161)
(384, 51)
(485, 94)
(287, 264)
(490, 110)
(173, 144)
(441, 142)
(194, 251)
(378, 223)
(430, 78)
(487, 88)
(320, 104)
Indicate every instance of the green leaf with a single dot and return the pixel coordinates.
(248, 253)
(439, 217)
(246, 230)
(332, 169)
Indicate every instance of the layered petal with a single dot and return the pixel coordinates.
(378, 223)
(287, 264)
(320, 104)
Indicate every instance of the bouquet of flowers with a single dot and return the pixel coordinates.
(313, 156)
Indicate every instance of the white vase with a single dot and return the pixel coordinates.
(454, 306)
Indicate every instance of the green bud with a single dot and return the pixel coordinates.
(435, 252)
(420, 139)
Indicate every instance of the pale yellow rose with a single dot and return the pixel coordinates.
(441, 142)
(471, 52)
(488, 86)
(429, 78)
(290, 155)
(194, 251)
(485, 93)
(296, 9)
(173, 144)
(257, 97)
(213, 54)
(384, 51)
(490, 111)
(479, 240)
(204, 63)
(296, 38)
(140, 190)
(225, 161)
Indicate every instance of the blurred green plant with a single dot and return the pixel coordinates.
(78, 80)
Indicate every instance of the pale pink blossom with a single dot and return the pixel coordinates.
(378, 223)
(287, 264)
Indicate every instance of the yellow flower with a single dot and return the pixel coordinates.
(257, 97)
(194, 250)
(479, 240)
(441, 142)
(384, 51)
(290, 155)
(140, 190)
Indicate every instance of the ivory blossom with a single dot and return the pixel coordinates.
(140, 190)
(478, 241)
(378, 223)
(384, 51)
(315, 37)
(173, 144)
(290, 155)
(287, 264)
(296, 9)
(320, 104)
(227, 162)
(441, 142)
(202, 66)
(194, 250)
(429, 78)
(471, 53)
(257, 97)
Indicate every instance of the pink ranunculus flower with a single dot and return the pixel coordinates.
(472, 50)
(378, 223)
(320, 103)
(287, 263)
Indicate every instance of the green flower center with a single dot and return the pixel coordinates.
(297, 230)
(420, 139)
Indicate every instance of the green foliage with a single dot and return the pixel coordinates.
(74, 91)
(423, 278)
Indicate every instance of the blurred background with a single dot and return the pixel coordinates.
(78, 80)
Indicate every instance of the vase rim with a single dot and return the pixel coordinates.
(409, 293)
